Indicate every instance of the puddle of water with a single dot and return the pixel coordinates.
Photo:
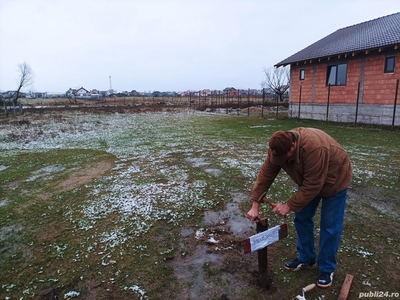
(191, 268)
(187, 232)
(8, 230)
(237, 222)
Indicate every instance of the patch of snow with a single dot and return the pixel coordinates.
(212, 240)
(136, 289)
(199, 234)
(71, 294)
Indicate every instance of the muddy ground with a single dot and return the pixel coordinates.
(121, 105)
(219, 248)
(210, 262)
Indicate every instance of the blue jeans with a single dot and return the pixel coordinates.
(331, 227)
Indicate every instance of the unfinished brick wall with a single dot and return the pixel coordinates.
(377, 87)
(374, 104)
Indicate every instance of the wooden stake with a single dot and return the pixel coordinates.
(346, 287)
(261, 226)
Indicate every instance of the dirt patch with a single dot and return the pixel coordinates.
(85, 175)
(366, 196)
(75, 179)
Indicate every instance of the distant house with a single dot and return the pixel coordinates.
(135, 93)
(231, 92)
(355, 69)
(250, 92)
(70, 92)
(255, 92)
(216, 93)
(94, 94)
(80, 93)
(8, 94)
(205, 92)
(34, 95)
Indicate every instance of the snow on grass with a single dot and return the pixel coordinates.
(159, 174)
(370, 166)
(136, 289)
(45, 172)
(166, 169)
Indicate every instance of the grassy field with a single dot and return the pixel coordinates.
(96, 206)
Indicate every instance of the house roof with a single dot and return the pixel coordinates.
(82, 88)
(229, 89)
(374, 34)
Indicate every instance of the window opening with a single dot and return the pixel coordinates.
(337, 74)
(302, 74)
(389, 64)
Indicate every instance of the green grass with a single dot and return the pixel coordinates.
(115, 235)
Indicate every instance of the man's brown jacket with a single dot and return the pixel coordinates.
(320, 166)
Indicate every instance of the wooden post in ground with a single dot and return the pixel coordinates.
(262, 281)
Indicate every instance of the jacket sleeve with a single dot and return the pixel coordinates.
(265, 178)
(313, 180)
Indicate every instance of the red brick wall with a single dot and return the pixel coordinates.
(306, 84)
(379, 87)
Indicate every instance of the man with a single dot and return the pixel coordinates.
(321, 168)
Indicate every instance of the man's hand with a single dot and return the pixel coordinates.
(281, 209)
(254, 211)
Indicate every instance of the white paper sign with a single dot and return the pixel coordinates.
(265, 238)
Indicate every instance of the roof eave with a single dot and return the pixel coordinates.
(285, 62)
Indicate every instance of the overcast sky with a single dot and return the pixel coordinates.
(164, 45)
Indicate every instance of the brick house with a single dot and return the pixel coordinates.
(231, 92)
(350, 75)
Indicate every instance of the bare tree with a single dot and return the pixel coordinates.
(277, 80)
(72, 97)
(24, 80)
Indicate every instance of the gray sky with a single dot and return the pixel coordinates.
(164, 45)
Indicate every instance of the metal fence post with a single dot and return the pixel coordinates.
(395, 103)
(298, 115)
(358, 95)
(327, 105)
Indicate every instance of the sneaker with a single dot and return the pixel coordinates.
(296, 265)
(325, 279)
